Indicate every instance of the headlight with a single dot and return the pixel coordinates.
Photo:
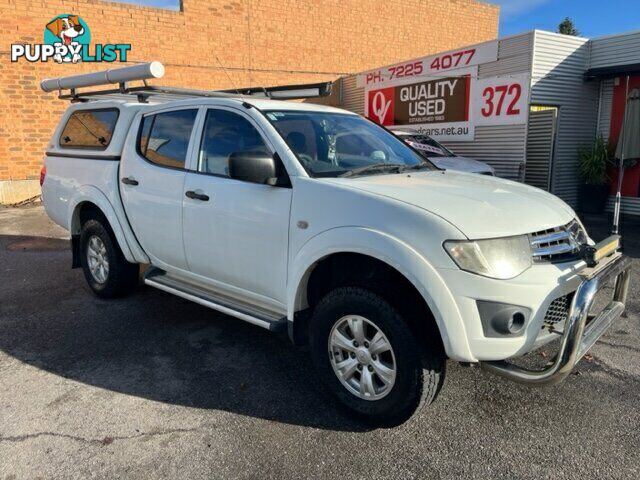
(500, 258)
(580, 234)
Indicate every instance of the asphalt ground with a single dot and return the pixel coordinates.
(153, 386)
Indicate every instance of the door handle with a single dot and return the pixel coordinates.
(197, 196)
(130, 181)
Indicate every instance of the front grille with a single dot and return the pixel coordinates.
(557, 244)
(558, 311)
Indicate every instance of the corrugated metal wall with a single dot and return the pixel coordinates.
(559, 64)
(352, 96)
(514, 56)
(615, 50)
(503, 147)
(630, 205)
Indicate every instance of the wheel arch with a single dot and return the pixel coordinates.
(394, 254)
(91, 201)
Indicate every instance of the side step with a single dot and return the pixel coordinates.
(160, 279)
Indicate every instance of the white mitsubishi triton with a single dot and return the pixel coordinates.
(310, 219)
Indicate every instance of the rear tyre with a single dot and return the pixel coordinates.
(365, 352)
(106, 270)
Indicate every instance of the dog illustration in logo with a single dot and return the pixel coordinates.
(66, 29)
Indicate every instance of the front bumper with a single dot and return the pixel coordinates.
(580, 332)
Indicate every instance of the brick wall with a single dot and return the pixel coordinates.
(261, 42)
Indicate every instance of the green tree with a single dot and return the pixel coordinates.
(567, 27)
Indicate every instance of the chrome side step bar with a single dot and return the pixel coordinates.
(161, 280)
(579, 336)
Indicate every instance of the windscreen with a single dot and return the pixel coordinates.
(335, 144)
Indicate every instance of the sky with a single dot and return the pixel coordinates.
(593, 18)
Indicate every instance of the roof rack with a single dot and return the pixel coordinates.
(285, 92)
(144, 71)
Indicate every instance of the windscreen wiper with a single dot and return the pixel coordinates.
(376, 167)
(420, 166)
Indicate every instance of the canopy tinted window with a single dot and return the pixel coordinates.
(89, 129)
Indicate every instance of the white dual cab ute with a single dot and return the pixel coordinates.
(314, 220)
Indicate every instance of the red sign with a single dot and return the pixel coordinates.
(381, 106)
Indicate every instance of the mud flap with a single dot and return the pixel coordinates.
(75, 251)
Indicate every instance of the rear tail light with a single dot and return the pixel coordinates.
(43, 174)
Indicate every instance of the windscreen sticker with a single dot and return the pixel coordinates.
(426, 148)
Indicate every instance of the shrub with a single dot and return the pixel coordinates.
(594, 161)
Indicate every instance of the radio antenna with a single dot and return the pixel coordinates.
(249, 40)
(224, 69)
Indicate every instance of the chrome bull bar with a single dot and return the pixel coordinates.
(578, 335)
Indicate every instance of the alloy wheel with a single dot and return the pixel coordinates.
(362, 357)
(97, 259)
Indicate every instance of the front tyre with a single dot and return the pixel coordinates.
(366, 354)
(106, 270)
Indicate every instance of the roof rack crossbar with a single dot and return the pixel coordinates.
(307, 90)
(140, 92)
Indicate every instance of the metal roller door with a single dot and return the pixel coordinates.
(540, 143)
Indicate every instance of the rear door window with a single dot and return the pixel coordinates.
(164, 137)
(91, 129)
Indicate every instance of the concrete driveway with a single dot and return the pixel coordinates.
(153, 386)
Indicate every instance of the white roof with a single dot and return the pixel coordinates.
(266, 104)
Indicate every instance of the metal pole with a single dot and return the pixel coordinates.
(618, 202)
(105, 77)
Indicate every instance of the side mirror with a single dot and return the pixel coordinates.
(254, 167)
